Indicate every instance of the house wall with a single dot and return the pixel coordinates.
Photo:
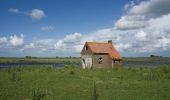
(86, 58)
(106, 61)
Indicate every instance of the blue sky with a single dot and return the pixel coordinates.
(61, 27)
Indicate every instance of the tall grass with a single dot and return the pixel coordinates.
(94, 92)
(151, 75)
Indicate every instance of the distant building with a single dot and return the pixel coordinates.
(100, 55)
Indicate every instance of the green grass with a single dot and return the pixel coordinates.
(69, 83)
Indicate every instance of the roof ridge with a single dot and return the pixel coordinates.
(98, 42)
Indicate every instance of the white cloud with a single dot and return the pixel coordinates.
(141, 35)
(3, 40)
(138, 15)
(14, 10)
(72, 38)
(123, 46)
(59, 44)
(145, 27)
(71, 42)
(16, 41)
(29, 46)
(37, 14)
(131, 22)
(129, 5)
(12, 41)
(151, 8)
(47, 28)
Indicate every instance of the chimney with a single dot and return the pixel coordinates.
(110, 41)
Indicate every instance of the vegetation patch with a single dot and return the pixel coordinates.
(73, 83)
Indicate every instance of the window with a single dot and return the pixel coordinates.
(83, 60)
(86, 48)
(100, 60)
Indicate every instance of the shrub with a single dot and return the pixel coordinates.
(141, 68)
(71, 72)
(38, 94)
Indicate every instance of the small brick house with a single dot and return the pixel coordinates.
(100, 55)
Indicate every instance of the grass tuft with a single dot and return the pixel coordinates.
(38, 94)
(151, 75)
(71, 72)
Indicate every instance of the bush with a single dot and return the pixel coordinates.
(72, 72)
(141, 68)
(38, 94)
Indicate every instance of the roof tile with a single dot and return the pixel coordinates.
(98, 47)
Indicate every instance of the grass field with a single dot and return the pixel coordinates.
(69, 83)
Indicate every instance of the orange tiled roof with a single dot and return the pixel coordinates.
(108, 48)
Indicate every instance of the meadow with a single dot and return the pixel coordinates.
(72, 83)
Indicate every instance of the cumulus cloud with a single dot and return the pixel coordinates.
(141, 35)
(145, 26)
(131, 22)
(70, 43)
(59, 44)
(35, 14)
(12, 41)
(72, 38)
(3, 40)
(151, 8)
(16, 40)
(138, 15)
(47, 28)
